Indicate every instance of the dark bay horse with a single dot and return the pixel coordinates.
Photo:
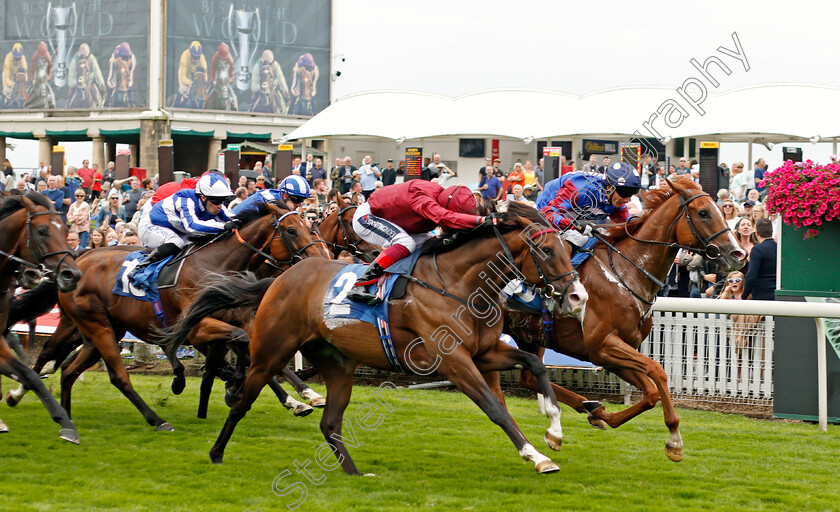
(17, 98)
(337, 232)
(85, 93)
(266, 98)
(622, 283)
(35, 237)
(103, 317)
(222, 96)
(474, 264)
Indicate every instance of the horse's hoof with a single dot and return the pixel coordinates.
(553, 442)
(3, 428)
(165, 427)
(597, 423)
(547, 466)
(592, 405)
(318, 402)
(70, 435)
(216, 459)
(178, 385)
(302, 410)
(11, 400)
(48, 368)
(674, 453)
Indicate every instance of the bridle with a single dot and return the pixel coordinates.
(351, 246)
(549, 291)
(709, 250)
(38, 251)
(281, 234)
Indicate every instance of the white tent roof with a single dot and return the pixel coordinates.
(782, 111)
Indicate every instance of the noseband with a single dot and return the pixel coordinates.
(351, 246)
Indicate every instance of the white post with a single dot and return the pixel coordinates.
(749, 163)
(822, 376)
(155, 54)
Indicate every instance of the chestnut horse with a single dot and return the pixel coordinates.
(622, 280)
(103, 317)
(33, 236)
(474, 264)
(337, 232)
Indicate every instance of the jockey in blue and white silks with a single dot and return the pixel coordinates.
(591, 197)
(184, 213)
(292, 191)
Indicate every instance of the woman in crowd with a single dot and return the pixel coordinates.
(730, 213)
(111, 213)
(744, 327)
(97, 239)
(745, 234)
(78, 216)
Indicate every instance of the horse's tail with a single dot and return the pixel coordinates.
(33, 303)
(219, 293)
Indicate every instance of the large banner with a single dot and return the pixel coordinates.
(264, 56)
(82, 54)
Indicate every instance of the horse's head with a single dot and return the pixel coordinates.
(700, 225)
(337, 231)
(266, 79)
(123, 73)
(542, 257)
(305, 83)
(292, 240)
(198, 88)
(43, 242)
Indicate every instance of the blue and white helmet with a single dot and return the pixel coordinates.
(213, 185)
(624, 178)
(295, 186)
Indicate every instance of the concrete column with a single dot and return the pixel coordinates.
(685, 147)
(134, 159)
(670, 150)
(110, 152)
(99, 152)
(44, 149)
(213, 153)
(2, 149)
(151, 133)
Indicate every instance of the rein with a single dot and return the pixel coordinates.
(549, 291)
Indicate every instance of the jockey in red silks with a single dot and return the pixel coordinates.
(401, 217)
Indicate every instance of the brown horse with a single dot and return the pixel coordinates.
(33, 236)
(103, 317)
(121, 95)
(337, 232)
(474, 264)
(622, 280)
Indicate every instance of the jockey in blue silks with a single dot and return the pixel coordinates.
(184, 213)
(292, 191)
(591, 197)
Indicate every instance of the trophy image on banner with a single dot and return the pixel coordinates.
(243, 26)
(61, 27)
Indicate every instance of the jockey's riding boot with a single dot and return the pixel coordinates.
(370, 276)
(156, 255)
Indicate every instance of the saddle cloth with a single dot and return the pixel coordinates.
(144, 284)
(338, 306)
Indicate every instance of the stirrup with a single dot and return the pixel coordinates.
(359, 294)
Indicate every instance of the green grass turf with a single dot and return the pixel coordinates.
(435, 451)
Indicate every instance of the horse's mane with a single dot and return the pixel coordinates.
(245, 217)
(653, 199)
(508, 222)
(13, 203)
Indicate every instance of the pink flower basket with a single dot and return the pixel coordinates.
(805, 194)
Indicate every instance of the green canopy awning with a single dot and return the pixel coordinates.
(240, 137)
(127, 136)
(18, 135)
(69, 135)
(187, 132)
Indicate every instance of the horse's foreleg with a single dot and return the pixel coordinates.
(505, 357)
(639, 370)
(315, 400)
(459, 368)
(9, 365)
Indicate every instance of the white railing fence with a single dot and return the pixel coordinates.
(714, 356)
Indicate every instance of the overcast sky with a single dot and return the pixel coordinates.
(454, 47)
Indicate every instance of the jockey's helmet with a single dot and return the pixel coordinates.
(624, 178)
(457, 198)
(213, 185)
(295, 186)
(17, 51)
(195, 49)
